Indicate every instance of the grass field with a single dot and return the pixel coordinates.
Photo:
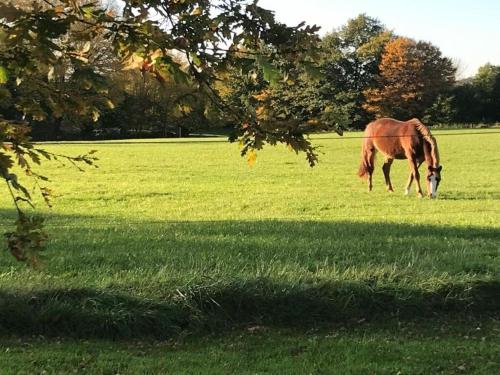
(177, 258)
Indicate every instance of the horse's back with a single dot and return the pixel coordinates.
(391, 137)
(390, 127)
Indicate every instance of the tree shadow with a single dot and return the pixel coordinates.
(89, 313)
(250, 299)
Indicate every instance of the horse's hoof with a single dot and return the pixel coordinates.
(420, 195)
(407, 192)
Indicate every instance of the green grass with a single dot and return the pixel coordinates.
(177, 257)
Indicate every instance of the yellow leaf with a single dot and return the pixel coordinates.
(156, 54)
(251, 157)
(260, 111)
(110, 104)
(197, 11)
(186, 109)
(95, 115)
(59, 9)
(86, 47)
(137, 61)
(262, 96)
(134, 62)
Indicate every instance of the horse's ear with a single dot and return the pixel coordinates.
(440, 168)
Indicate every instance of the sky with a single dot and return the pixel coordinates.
(467, 31)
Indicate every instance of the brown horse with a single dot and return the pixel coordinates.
(395, 139)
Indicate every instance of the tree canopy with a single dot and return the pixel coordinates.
(412, 75)
(351, 58)
(46, 59)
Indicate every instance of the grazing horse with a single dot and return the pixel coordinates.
(395, 139)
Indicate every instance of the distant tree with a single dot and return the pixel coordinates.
(467, 103)
(145, 106)
(294, 105)
(487, 83)
(351, 58)
(72, 91)
(412, 76)
(477, 99)
(442, 111)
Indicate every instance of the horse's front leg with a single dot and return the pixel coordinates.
(386, 168)
(408, 185)
(416, 175)
(410, 180)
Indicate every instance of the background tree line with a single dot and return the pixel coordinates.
(364, 71)
(367, 71)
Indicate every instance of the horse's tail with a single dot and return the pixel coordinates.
(428, 137)
(366, 159)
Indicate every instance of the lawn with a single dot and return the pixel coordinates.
(177, 257)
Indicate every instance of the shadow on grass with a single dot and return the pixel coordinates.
(233, 302)
(461, 196)
(88, 313)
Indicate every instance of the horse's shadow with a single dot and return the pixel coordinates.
(461, 196)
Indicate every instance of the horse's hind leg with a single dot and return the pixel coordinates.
(371, 166)
(386, 168)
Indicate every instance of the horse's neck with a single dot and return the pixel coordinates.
(431, 153)
(430, 145)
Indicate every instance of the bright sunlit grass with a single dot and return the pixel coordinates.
(169, 237)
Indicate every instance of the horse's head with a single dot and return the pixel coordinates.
(433, 180)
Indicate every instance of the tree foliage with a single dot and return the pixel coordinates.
(16, 148)
(47, 69)
(351, 58)
(478, 99)
(412, 75)
(487, 84)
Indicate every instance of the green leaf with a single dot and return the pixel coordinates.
(312, 70)
(4, 76)
(246, 64)
(270, 71)
(168, 67)
(88, 11)
(195, 58)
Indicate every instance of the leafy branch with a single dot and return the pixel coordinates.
(29, 237)
(45, 60)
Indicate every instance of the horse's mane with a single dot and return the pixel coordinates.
(428, 137)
